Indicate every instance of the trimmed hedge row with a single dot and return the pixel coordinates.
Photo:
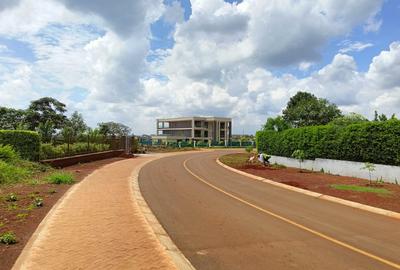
(25, 143)
(376, 142)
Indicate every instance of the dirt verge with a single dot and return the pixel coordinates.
(320, 182)
(22, 219)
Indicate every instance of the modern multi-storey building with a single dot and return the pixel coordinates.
(199, 129)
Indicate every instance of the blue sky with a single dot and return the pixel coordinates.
(139, 60)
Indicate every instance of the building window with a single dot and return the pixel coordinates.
(206, 133)
(222, 125)
(197, 133)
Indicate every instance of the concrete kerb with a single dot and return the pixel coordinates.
(180, 261)
(316, 195)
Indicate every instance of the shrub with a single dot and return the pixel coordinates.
(61, 178)
(11, 174)
(375, 142)
(249, 149)
(48, 151)
(38, 202)
(25, 143)
(8, 238)
(7, 153)
(11, 197)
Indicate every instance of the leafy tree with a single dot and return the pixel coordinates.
(299, 155)
(113, 129)
(11, 118)
(276, 124)
(44, 110)
(305, 109)
(46, 131)
(351, 118)
(77, 123)
(382, 117)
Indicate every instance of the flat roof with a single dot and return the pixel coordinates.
(186, 118)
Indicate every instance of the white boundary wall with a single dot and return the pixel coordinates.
(389, 174)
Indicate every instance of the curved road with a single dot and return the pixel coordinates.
(223, 220)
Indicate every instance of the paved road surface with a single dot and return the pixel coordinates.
(223, 220)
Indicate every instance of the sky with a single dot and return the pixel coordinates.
(139, 60)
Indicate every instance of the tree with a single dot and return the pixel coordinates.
(276, 124)
(351, 118)
(381, 117)
(113, 129)
(300, 156)
(44, 110)
(305, 109)
(11, 118)
(46, 131)
(77, 123)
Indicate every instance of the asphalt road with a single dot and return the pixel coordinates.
(223, 220)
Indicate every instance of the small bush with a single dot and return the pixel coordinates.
(8, 238)
(7, 154)
(249, 149)
(38, 202)
(11, 174)
(25, 143)
(61, 178)
(11, 197)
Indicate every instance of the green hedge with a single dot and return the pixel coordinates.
(49, 151)
(25, 143)
(376, 142)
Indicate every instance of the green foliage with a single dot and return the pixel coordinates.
(48, 151)
(77, 123)
(38, 202)
(8, 238)
(25, 143)
(351, 118)
(113, 129)
(361, 189)
(11, 174)
(46, 111)
(249, 149)
(11, 197)
(7, 154)
(305, 109)
(61, 178)
(299, 155)
(11, 118)
(370, 168)
(375, 142)
(276, 124)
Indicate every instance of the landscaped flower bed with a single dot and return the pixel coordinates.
(384, 195)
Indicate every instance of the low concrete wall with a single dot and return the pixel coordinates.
(389, 174)
(68, 161)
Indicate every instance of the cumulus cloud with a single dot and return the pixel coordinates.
(222, 61)
(385, 68)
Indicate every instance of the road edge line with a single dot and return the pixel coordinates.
(316, 195)
(177, 257)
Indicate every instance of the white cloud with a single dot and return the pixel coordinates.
(385, 68)
(221, 62)
(354, 46)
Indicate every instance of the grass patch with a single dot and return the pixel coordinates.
(8, 238)
(361, 189)
(61, 178)
(235, 160)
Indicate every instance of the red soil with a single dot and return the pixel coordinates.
(321, 183)
(24, 226)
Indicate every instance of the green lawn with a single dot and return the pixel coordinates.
(361, 189)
